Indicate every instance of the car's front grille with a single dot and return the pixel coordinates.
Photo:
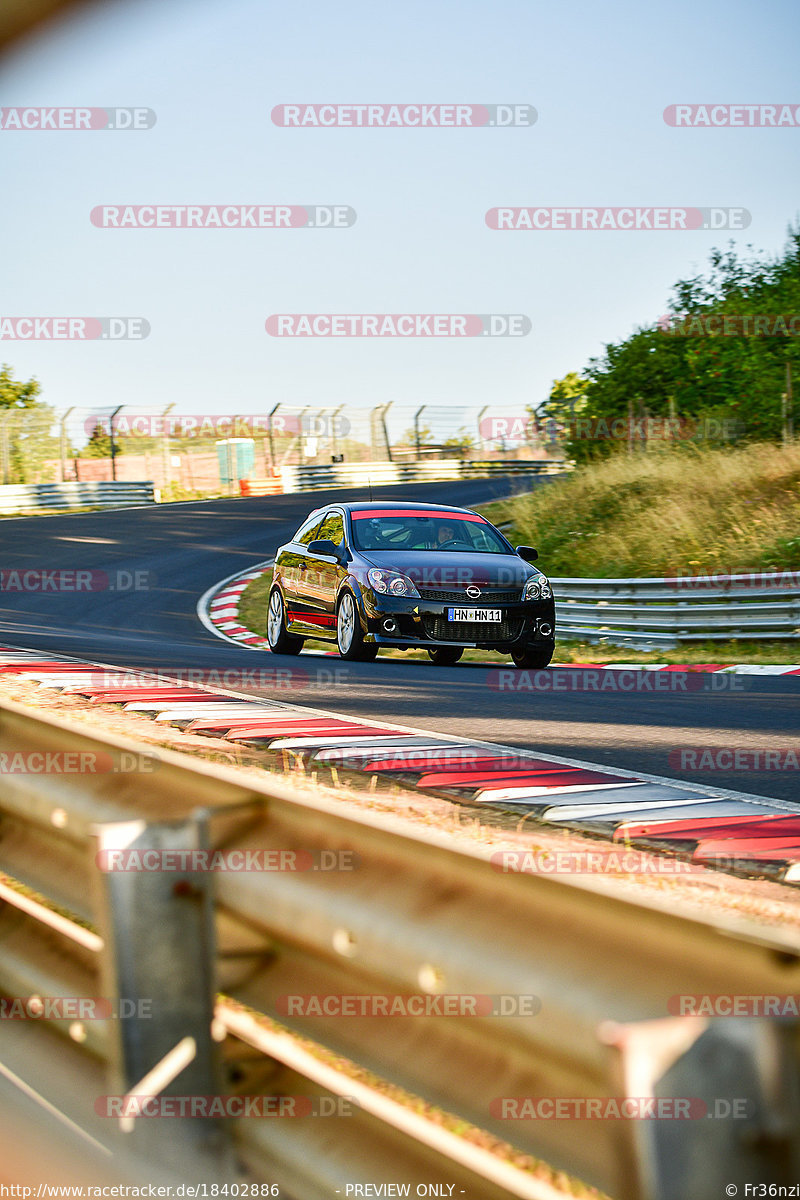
(473, 631)
(487, 596)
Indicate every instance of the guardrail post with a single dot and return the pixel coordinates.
(738, 1080)
(158, 974)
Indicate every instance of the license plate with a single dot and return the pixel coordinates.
(474, 614)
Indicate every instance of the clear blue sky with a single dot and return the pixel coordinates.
(599, 75)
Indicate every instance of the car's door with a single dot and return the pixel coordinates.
(327, 573)
(313, 609)
(292, 565)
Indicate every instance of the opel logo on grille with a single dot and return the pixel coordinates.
(473, 592)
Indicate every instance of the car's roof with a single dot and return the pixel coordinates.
(384, 506)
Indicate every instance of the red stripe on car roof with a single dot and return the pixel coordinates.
(361, 514)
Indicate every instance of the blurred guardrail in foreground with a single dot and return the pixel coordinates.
(198, 969)
(663, 613)
(39, 497)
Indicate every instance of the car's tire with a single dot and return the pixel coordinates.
(445, 656)
(534, 658)
(349, 634)
(280, 642)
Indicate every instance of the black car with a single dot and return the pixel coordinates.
(409, 576)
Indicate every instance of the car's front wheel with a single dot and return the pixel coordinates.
(534, 658)
(280, 642)
(445, 656)
(349, 634)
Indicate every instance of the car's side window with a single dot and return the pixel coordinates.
(332, 528)
(306, 533)
(480, 539)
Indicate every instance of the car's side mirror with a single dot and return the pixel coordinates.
(528, 553)
(324, 546)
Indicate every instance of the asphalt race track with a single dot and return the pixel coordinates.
(187, 548)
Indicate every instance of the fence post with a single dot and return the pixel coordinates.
(481, 439)
(270, 438)
(118, 409)
(165, 448)
(299, 436)
(334, 436)
(383, 411)
(417, 416)
(62, 443)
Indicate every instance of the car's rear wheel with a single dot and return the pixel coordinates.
(280, 642)
(534, 658)
(445, 656)
(349, 634)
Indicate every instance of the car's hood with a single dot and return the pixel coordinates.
(452, 569)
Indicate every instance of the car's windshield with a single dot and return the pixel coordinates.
(458, 532)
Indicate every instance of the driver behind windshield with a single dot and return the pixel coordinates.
(445, 533)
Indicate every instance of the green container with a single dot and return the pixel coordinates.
(236, 458)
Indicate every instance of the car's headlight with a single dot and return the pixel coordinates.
(537, 588)
(391, 582)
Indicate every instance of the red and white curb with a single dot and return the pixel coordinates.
(218, 608)
(704, 825)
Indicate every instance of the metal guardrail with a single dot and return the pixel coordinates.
(663, 612)
(38, 497)
(341, 475)
(415, 916)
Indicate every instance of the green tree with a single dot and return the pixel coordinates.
(459, 445)
(14, 393)
(26, 440)
(567, 398)
(99, 444)
(692, 378)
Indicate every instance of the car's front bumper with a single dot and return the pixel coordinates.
(404, 622)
